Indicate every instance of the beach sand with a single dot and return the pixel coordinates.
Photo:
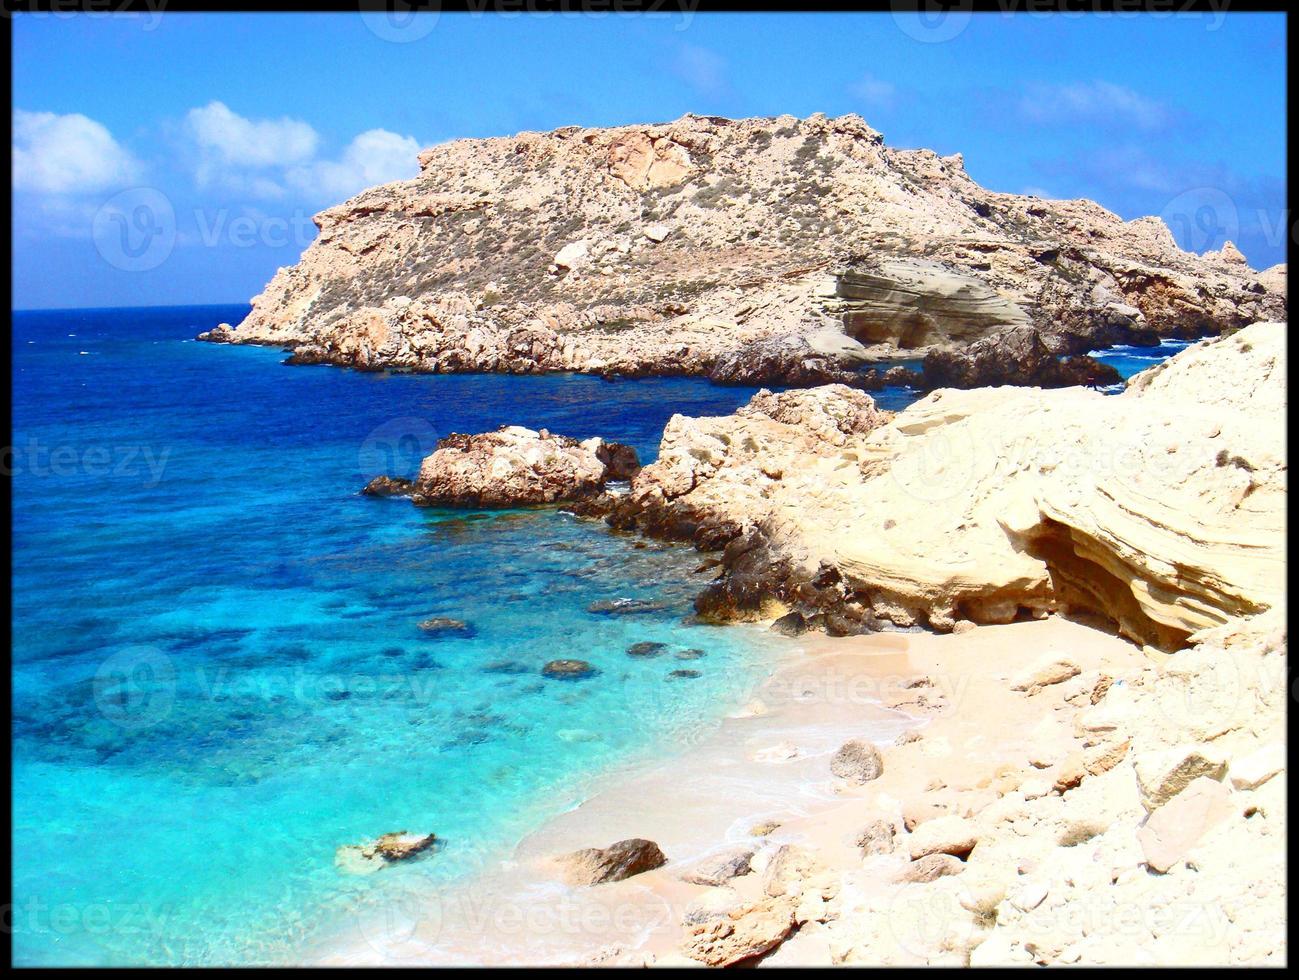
(769, 763)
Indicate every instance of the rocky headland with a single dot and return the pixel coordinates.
(761, 251)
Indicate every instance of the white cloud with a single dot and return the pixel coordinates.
(266, 158)
(63, 154)
(874, 91)
(376, 156)
(1093, 102)
(229, 138)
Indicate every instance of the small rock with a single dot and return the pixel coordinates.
(1173, 830)
(370, 857)
(931, 867)
(596, 865)
(568, 669)
(877, 838)
(1030, 896)
(646, 648)
(1053, 671)
(857, 761)
(657, 233)
(1258, 767)
(444, 624)
(715, 903)
(745, 934)
(962, 626)
(1163, 774)
(684, 674)
(764, 828)
(691, 654)
(943, 835)
(719, 868)
(790, 624)
(387, 486)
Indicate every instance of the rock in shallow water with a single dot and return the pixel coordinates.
(568, 669)
(442, 625)
(370, 857)
(625, 607)
(647, 648)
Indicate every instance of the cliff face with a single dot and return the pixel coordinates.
(749, 250)
(1161, 509)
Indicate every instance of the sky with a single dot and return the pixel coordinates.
(171, 159)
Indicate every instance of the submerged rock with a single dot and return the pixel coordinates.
(568, 669)
(684, 674)
(647, 648)
(623, 859)
(625, 607)
(386, 849)
(440, 625)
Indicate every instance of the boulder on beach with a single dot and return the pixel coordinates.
(623, 859)
(857, 761)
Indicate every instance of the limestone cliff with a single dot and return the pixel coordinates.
(778, 250)
(1161, 509)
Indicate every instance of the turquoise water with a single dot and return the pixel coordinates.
(218, 674)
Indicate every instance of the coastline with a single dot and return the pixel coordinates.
(768, 762)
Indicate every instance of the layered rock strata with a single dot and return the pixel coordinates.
(1161, 509)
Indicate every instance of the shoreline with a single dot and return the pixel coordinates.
(768, 762)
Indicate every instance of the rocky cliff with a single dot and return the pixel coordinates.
(1161, 510)
(777, 250)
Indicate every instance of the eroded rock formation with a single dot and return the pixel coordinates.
(1161, 509)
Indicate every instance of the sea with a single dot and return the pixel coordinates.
(219, 676)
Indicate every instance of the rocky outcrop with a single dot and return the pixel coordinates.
(597, 865)
(511, 467)
(1161, 509)
(1017, 356)
(775, 251)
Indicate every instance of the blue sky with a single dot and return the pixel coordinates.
(177, 159)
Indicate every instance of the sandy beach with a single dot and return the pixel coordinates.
(766, 765)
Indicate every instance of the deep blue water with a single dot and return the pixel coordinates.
(218, 675)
